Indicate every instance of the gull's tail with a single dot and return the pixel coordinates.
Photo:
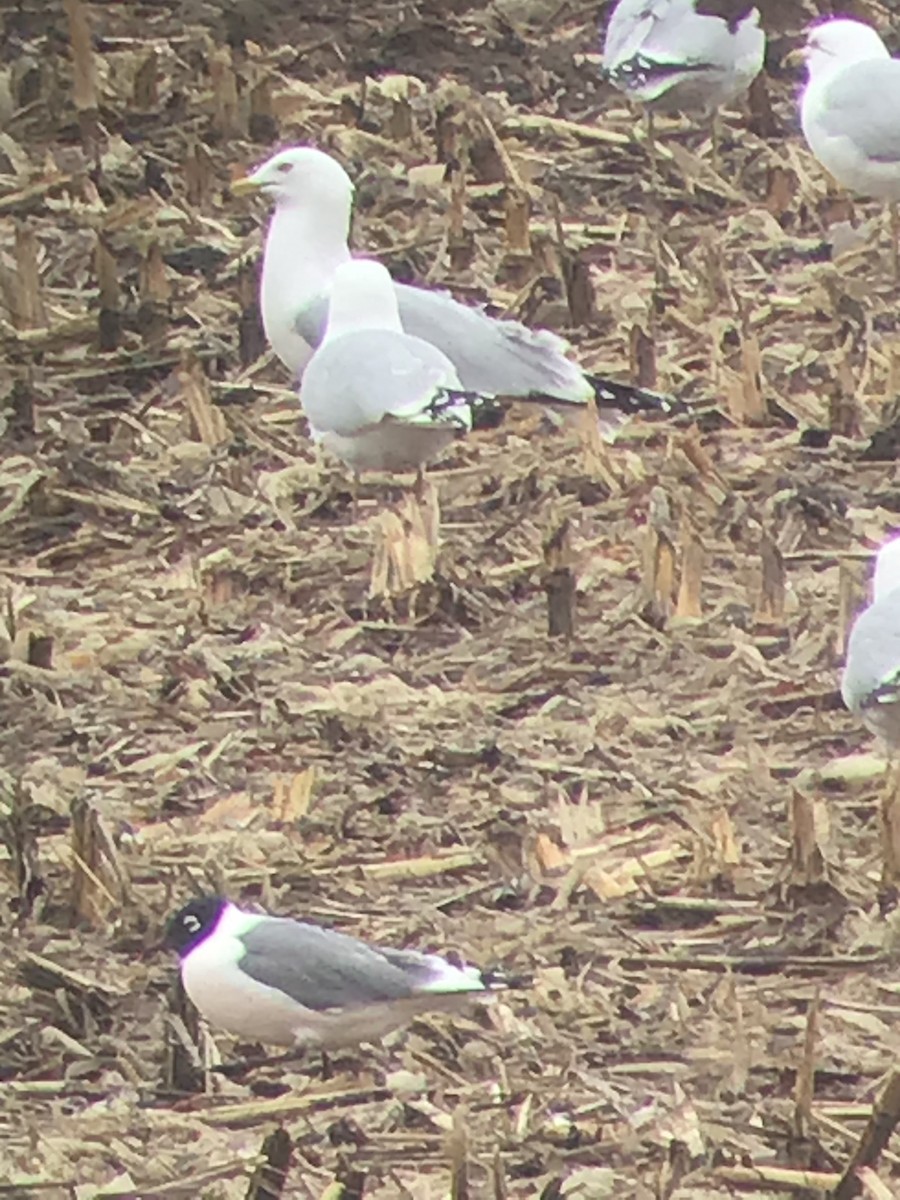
(495, 979)
(649, 78)
(450, 977)
(632, 401)
(474, 410)
(445, 976)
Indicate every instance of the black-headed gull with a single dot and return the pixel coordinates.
(289, 983)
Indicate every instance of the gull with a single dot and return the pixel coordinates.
(376, 397)
(850, 112)
(291, 983)
(683, 55)
(870, 686)
(306, 242)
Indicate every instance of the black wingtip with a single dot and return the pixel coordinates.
(486, 412)
(497, 980)
(612, 397)
(633, 401)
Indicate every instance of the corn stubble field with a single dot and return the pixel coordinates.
(216, 676)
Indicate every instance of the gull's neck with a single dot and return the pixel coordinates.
(304, 247)
(887, 570)
(811, 99)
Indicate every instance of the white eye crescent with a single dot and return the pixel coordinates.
(191, 923)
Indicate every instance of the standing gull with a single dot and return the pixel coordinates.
(871, 682)
(683, 55)
(850, 112)
(376, 397)
(306, 243)
(290, 983)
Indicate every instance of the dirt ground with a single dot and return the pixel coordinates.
(216, 675)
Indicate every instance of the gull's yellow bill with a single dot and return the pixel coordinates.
(245, 185)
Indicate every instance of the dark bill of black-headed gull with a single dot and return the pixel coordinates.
(376, 397)
(289, 983)
(683, 55)
(850, 110)
(870, 685)
(306, 242)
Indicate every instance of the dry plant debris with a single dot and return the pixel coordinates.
(214, 676)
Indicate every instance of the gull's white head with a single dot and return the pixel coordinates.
(301, 175)
(837, 44)
(887, 569)
(362, 297)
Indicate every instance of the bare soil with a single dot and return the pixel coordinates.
(216, 675)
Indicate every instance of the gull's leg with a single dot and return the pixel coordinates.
(889, 812)
(895, 238)
(653, 207)
(651, 196)
(355, 492)
(242, 1067)
(716, 138)
(419, 485)
(651, 150)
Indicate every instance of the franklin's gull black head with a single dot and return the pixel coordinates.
(193, 923)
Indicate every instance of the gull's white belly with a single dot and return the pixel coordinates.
(232, 1001)
(390, 446)
(854, 170)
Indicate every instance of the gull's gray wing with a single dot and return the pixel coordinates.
(500, 358)
(360, 377)
(861, 103)
(310, 321)
(631, 24)
(492, 357)
(321, 969)
(872, 671)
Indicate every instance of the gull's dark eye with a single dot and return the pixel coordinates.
(285, 168)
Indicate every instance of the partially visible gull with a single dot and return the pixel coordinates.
(850, 111)
(290, 983)
(378, 398)
(871, 682)
(684, 55)
(307, 242)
